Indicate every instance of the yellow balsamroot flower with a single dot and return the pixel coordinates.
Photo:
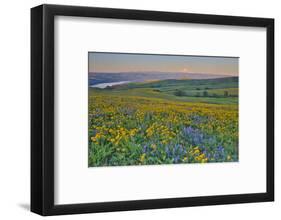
(204, 160)
(201, 158)
(142, 157)
(117, 142)
(196, 151)
(112, 140)
(117, 137)
(149, 131)
(153, 146)
(133, 132)
(96, 137)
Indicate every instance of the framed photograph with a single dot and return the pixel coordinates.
(136, 109)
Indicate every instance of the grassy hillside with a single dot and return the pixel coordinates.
(228, 82)
(217, 91)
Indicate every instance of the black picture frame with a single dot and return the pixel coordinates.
(42, 109)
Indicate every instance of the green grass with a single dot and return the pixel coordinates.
(192, 90)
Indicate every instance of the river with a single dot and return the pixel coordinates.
(104, 85)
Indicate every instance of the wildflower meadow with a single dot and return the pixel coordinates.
(164, 122)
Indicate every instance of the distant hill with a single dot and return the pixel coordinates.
(97, 78)
(217, 91)
(186, 84)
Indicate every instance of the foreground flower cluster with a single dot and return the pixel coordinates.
(138, 130)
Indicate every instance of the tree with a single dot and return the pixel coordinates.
(179, 93)
(205, 93)
(225, 93)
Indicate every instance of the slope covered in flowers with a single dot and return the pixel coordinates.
(131, 129)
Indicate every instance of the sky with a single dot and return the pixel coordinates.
(125, 62)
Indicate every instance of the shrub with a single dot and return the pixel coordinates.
(179, 93)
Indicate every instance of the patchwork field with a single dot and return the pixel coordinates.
(164, 122)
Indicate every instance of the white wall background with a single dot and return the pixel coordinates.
(15, 107)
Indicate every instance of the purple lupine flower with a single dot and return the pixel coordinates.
(220, 148)
(219, 154)
(216, 156)
(193, 135)
(203, 149)
(187, 131)
(175, 148)
(168, 152)
(180, 149)
(144, 149)
(176, 159)
(196, 119)
(212, 140)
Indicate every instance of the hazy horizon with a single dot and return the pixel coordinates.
(114, 63)
(159, 72)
